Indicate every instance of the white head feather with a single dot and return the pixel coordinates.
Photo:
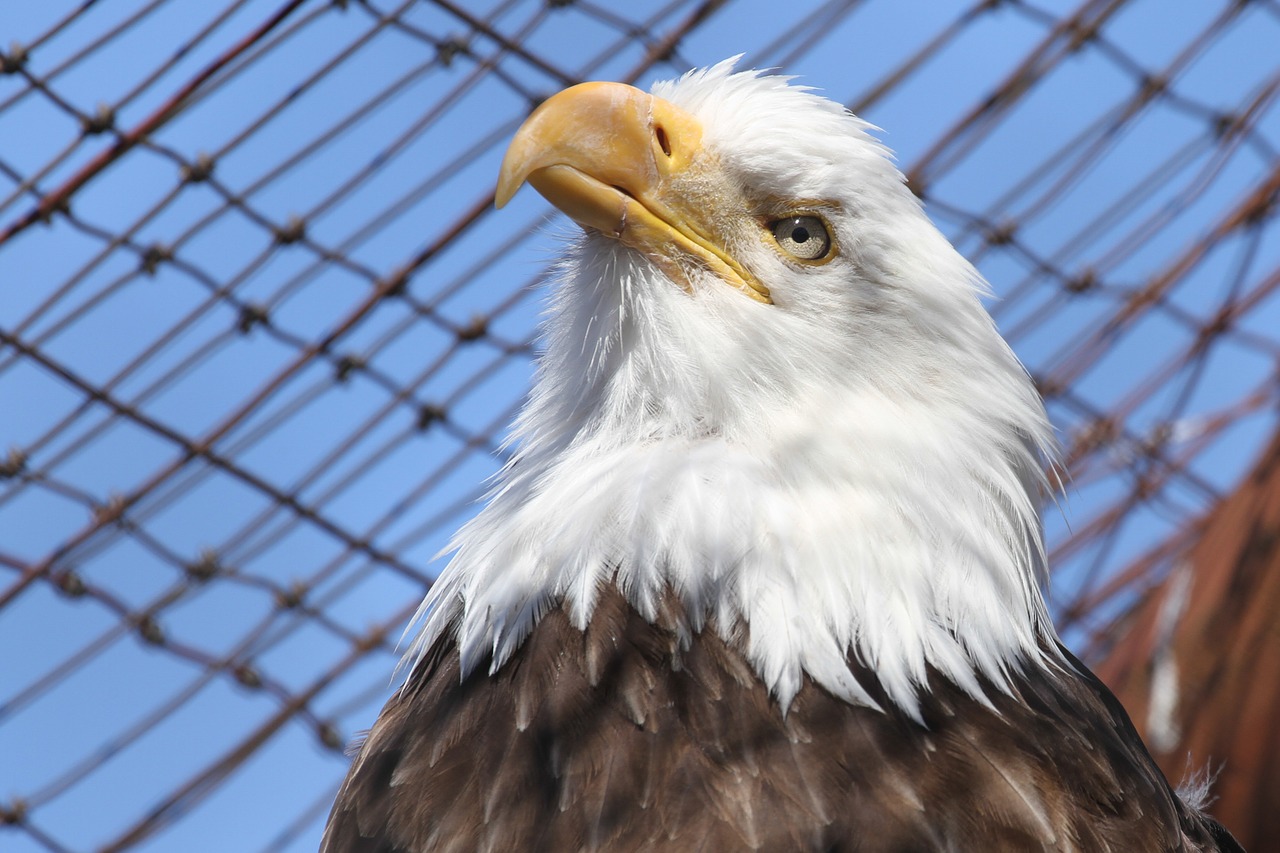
(853, 470)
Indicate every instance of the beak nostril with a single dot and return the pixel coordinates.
(661, 133)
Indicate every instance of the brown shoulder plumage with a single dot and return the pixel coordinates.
(620, 739)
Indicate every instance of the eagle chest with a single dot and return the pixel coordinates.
(623, 737)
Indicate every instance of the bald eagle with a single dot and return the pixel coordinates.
(764, 572)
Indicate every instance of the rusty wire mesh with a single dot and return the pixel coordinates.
(261, 332)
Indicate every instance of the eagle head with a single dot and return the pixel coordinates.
(768, 384)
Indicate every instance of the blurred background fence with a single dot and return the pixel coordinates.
(261, 333)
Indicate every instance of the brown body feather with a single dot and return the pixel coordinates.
(622, 739)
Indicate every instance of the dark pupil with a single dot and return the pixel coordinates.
(800, 234)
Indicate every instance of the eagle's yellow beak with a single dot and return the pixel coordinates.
(613, 159)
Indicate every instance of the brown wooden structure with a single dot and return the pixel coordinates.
(1197, 662)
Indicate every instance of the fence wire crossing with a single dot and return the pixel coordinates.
(262, 332)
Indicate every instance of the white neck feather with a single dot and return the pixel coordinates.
(889, 513)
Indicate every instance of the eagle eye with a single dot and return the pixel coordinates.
(803, 237)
